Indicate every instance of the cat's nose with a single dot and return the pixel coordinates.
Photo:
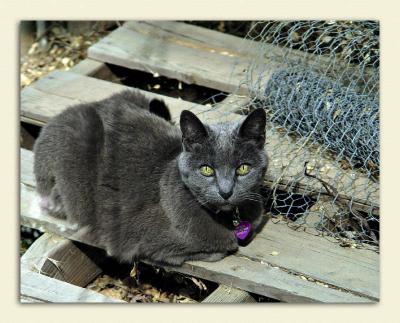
(226, 194)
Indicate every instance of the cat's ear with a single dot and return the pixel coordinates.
(253, 127)
(193, 131)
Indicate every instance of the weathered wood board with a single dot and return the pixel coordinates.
(54, 93)
(59, 258)
(254, 268)
(198, 55)
(36, 288)
(177, 57)
(90, 67)
(224, 294)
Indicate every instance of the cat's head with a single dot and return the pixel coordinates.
(223, 164)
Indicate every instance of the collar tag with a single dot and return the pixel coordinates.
(236, 218)
(242, 230)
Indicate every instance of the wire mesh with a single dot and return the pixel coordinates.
(319, 83)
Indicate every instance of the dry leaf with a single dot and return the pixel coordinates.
(337, 113)
(112, 292)
(133, 272)
(199, 283)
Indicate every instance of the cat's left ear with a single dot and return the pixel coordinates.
(253, 127)
(193, 130)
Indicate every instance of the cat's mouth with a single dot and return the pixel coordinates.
(226, 207)
(221, 207)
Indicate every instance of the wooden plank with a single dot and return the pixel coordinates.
(26, 299)
(199, 38)
(59, 258)
(184, 59)
(90, 67)
(319, 258)
(41, 108)
(254, 268)
(40, 288)
(54, 93)
(205, 39)
(224, 294)
(201, 56)
(59, 90)
(26, 167)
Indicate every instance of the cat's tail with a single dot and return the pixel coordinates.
(138, 100)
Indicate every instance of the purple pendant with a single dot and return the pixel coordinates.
(243, 230)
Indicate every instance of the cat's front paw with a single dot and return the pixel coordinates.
(232, 244)
(213, 257)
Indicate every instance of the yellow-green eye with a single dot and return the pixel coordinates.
(243, 169)
(206, 170)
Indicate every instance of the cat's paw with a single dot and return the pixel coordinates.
(232, 243)
(213, 257)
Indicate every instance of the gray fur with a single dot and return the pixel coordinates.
(131, 180)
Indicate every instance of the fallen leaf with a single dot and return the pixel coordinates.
(199, 283)
(133, 272)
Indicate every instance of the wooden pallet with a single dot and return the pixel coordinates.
(307, 268)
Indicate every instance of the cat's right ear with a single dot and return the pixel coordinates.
(253, 127)
(193, 130)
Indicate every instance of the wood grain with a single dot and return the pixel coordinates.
(59, 258)
(202, 56)
(224, 294)
(42, 289)
(174, 57)
(90, 67)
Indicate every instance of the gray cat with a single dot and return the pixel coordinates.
(140, 188)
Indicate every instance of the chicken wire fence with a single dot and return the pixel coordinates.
(319, 83)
